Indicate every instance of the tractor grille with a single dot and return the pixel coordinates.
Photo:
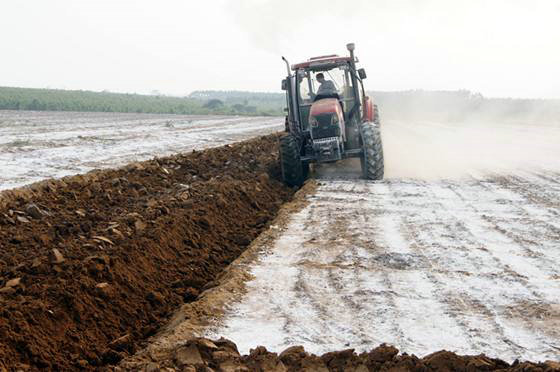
(327, 149)
(324, 141)
(324, 127)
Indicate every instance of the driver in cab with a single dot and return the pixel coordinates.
(327, 89)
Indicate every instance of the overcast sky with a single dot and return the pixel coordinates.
(500, 48)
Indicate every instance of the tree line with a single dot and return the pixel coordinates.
(79, 100)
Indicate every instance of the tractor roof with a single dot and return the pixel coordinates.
(317, 63)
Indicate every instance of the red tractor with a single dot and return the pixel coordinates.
(329, 118)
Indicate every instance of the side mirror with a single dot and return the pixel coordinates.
(285, 84)
(362, 73)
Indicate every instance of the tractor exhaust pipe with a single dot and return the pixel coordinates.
(351, 47)
(287, 64)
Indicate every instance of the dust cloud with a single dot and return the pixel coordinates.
(429, 150)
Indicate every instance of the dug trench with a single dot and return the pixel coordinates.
(92, 265)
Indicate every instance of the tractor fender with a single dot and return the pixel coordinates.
(369, 109)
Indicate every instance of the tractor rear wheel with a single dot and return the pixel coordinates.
(372, 157)
(290, 161)
(376, 115)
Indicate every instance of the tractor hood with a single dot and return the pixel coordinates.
(326, 119)
(326, 106)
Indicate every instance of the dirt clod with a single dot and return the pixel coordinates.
(13, 282)
(104, 290)
(34, 211)
(22, 219)
(7, 290)
(188, 355)
(121, 343)
(139, 226)
(56, 256)
(383, 358)
(383, 353)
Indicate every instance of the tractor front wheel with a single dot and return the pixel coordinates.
(372, 156)
(292, 168)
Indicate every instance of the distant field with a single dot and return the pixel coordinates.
(37, 145)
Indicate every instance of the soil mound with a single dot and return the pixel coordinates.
(91, 265)
(221, 355)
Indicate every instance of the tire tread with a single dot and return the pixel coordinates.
(372, 159)
(292, 168)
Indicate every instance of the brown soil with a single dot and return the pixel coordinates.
(91, 265)
(192, 319)
(200, 354)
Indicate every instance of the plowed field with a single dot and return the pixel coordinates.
(91, 265)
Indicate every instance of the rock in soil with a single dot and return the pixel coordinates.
(13, 282)
(34, 211)
(56, 256)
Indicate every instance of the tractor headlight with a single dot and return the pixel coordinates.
(313, 122)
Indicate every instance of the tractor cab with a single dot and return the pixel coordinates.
(308, 87)
(326, 104)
